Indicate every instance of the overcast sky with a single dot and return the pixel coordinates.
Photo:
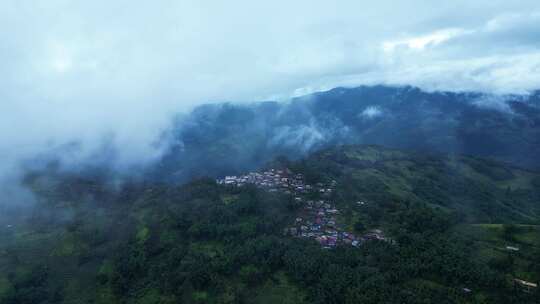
(88, 70)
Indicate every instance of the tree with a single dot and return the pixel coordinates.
(509, 232)
(359, 226)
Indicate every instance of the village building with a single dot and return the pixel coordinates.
(525, 286)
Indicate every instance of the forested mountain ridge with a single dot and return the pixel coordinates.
(505, 128)
(92, 241)
(479, 190)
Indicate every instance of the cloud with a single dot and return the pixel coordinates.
(421, 42)
(494, 102)
(500, 55)
(371, 112)
(90, 74)
(306, 137)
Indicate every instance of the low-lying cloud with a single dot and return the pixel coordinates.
(493, 102)
(371, 112)
(100, 75)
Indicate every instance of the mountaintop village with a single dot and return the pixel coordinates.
(317, 219)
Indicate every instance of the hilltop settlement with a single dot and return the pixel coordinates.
(317, 218)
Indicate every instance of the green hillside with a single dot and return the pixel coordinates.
(448, 221)
(477, 190)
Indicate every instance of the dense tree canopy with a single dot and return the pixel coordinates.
(209, 243)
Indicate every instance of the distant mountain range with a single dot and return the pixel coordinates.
(219, 139)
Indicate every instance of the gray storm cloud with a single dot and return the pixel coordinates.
(81, 73)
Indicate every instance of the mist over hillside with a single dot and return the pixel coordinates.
(228, 138)
(261, 152)
(95, 90)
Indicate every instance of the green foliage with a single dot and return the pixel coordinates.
(359, 227)
(142, 235)
(490, 169)
(30, 286)
(509, 232)
(277, 289)
(206, 243)
(6, 289)
(536, 182)
(477, 190)
(251, 274)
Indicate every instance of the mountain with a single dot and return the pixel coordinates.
(446, 222)
(476, 189)
(219, 139)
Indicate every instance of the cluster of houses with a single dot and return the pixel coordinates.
(318, 218)
(275, 180)
(318, 221)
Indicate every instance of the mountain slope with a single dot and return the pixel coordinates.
(223, 138)
(90, 240)
(478, 190)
